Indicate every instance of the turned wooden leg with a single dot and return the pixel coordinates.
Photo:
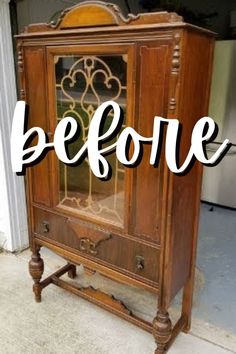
(72, 272)
(162, 329)
(36, 268)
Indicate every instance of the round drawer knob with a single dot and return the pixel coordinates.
(45, 227)
(139, 263)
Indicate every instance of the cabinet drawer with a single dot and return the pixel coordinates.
(117, 251)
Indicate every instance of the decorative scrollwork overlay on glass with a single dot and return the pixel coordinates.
(82, 84)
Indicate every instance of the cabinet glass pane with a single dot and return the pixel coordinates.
(82, 84)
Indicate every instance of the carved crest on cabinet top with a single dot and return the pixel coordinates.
(100, 13)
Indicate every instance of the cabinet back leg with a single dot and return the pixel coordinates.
(72, 272)
(188, 302)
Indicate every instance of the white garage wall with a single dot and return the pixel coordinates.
(13, 220)
(4, 224)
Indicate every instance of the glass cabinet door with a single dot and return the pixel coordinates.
(83, 82)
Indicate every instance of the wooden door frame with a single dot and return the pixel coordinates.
(85, 49)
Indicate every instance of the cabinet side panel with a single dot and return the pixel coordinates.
(193, 104)
(36, 99)
(154, 62)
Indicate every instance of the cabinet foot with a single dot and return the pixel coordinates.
(162, 330)
(72, 272)
(36, 268)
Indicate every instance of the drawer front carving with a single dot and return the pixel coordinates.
(90, 241)
(94, 236)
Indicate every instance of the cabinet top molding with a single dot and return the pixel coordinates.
(89, 14)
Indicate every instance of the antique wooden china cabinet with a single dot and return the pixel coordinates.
(139, 227)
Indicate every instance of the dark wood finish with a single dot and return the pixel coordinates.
(91, 264)
(154, 56)
(95, 296)
(36, 92)
(162, 329)
(72, 272)
(36, 268)
(105, 301)
(204, 55)
(99, 244)
(169, 72)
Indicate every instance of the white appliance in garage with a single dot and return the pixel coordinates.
(219, 183)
